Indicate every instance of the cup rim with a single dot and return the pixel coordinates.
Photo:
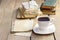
(43, 19)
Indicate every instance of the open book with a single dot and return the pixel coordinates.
(29, 10)
(30, 5)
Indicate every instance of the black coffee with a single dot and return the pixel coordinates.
(43, 19)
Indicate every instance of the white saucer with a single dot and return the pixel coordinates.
(50, 29)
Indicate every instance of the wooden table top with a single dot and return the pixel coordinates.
(6, 11)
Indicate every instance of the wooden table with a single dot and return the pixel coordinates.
(36, 36)
(6, 17)
(33, 37)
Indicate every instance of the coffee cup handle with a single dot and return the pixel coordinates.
(51, 19)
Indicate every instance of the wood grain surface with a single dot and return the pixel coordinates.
(7, 10)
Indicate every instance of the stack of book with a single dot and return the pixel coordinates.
(48, 7)
(48, 10)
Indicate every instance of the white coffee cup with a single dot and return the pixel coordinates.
(43, 22)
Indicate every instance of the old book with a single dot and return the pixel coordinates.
(29, 10)
(47, 8)
(49, 12)
(50, 3)
(22, 13)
